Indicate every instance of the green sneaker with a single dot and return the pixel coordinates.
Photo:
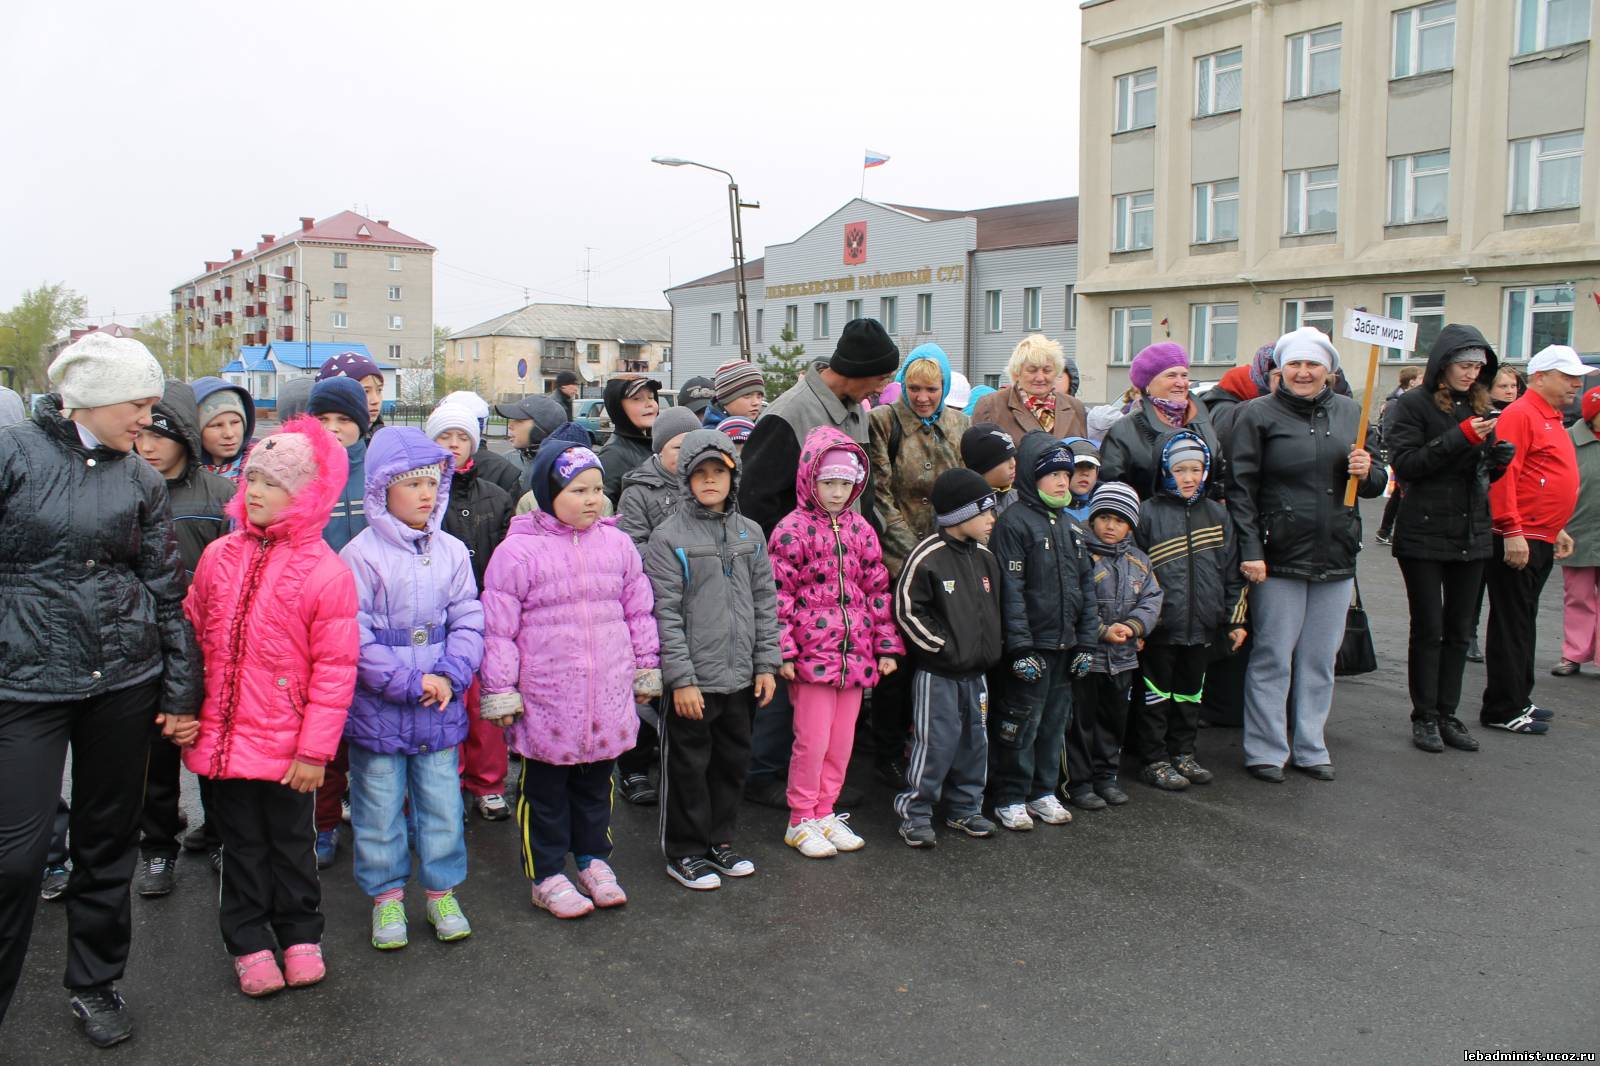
(448, 922)
(389, 925)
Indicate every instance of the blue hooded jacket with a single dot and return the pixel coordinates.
(349, 515)
(206, 386)
(936, 353)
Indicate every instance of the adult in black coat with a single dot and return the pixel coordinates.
(1131, 452)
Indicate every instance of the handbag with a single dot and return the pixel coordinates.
(1356, 652)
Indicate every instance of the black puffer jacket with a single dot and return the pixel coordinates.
(197, 496)
(1288, 459)
(1444, 477)
(492, 466)
(1131, 452)
(629, 445)
(91, 590)
(1047, 593)
(479, 515)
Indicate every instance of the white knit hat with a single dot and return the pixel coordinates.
(98, 369)
(474, 403)
(1306, 344)
(454, 416)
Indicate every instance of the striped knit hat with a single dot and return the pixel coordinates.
(1117, 498)
(738, 378)
(737, 427)
(432, 470)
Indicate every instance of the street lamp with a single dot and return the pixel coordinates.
(734, 204)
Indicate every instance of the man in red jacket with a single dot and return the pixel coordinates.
(1530, 505)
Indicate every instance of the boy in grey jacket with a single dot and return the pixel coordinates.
(717, 614)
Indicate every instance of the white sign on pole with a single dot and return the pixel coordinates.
(1384, 332)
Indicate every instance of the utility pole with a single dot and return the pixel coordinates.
(588, 272)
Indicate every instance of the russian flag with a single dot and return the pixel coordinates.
(875, 159)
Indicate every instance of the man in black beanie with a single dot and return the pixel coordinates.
(828, 394)
(566, 391)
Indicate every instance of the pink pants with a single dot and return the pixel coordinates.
(482, 760)
(824, 734)
(1580, 617)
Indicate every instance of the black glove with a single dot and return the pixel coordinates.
(1501, 452)
(1029, 668)
(1080, 664)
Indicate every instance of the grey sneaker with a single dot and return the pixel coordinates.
(918, 836)
(444, 914)
(158, 876)
(389, 925)
(974, 825)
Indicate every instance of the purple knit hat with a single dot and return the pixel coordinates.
(1153, 361)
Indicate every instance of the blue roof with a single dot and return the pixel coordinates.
(252, 360)
(294, 353)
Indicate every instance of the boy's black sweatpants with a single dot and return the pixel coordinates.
(1168, 718)
(703, 765)
(562, 810)
(1094, 736)
(270, 897)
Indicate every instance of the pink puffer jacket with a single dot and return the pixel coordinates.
(833, 589)
(566, 623)
(275, 613)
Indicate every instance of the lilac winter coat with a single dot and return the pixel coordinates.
(567, 621)
(418, 610)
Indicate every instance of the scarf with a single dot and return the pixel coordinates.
(229, 469)
(1042, 408)
(1172, 412)
(1055, 503)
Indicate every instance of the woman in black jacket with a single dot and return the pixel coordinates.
(1441, 445)
(93, 644)
(1131, 452)
(1291, 455)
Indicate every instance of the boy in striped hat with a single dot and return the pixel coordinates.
(741, 391)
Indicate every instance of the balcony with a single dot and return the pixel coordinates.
(288, 303)
(227, 316)
(261, 309)
(286, 333)
(556, 362)
(288, 273)
(216, 318)
(227, 292)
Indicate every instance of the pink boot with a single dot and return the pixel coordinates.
(556, 895)
(258, 973)
(600, 883)
(302, 965)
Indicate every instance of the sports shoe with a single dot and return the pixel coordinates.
(556, 895)
(1384, 537)
(637, 789)
(836, 827)
(1161, 775)
(1425, 735)
(303, 965)
(918, 836)
(1049, 810)
(809, 840)
(258, 973)
(1197, 774)
(389, 925)
(1453, 731)
(492, 807)
(974, 825)
(1111, 792)
(1014, 816)
(344, 809)
(1525, 722)
(214, 860)
(1086, 799)
(1564, 668)
(599, 882)
(327, 848)
(158, 876)
(103, 1014)
(694, 872)
(54, 883)
(729, 862)
(1540, 714)
(444, 914)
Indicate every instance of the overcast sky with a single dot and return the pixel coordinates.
(141, 140)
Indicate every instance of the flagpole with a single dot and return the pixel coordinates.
(863, 195)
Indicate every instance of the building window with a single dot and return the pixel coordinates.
(475, 352)
(1314, 62)
(394, 262)
(1216, 211)
(1032, 309)
(791, 318)
(591, 353)
(1317, 314)
(341, 291)
(716, 328)
(1218, 82)
(341, 320)
(819, 320)
(461, 352)
(1130, 333)
(993, 311)
(1546, 172)
(1215, 336)
(1419, 188)
(1545, 24)
(738, 330)
(760, 325)
(1424, 39)
(394, 352)
(1426, 309)
(1072, 307)
(341, 260)
(1134, 221)
(394, 293)
(992, 380)
(397, 322)
(1311, 201)
(1136, 101)
(1535, 319)
(852, 310)
(889, 313)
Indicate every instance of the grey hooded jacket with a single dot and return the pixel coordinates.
(649, 493)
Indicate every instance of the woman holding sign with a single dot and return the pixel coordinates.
(1292, 454)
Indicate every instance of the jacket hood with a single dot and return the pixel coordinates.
(12, 409)
(696, 447)
(394, 450)
(308, 512)
(565, 436)
(820, 442)
(651, 474)
(620, 422)
(1168, 484)
(936, 353)
(978, 393)
(1451, 339)
(182, 412)
(1034, 444)
(204, 387)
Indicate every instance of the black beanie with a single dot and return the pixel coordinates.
(959, 495)
(985, 446)
(864, 350)
(566, 377)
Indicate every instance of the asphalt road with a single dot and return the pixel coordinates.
(1420, 906)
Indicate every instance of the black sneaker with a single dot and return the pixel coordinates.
(637, 789)
(693, 872)
(214, 860)
(1162, 775)
(1453, 731)
(158, 876)
(1111, 792)
(1197, 774)
(1425, 735)
(103, 1013)
(892, 772)
(1087, 800)
(1540, 714)
(918, 836)
(730, 862)
(54, 883)
(1527, 722)
(974, 825)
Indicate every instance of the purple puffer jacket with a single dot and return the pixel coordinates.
(567, 622)
(833, 589)
(418, 610)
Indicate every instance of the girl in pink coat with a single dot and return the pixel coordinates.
(275, 613)
(838, 632)
(569, 647)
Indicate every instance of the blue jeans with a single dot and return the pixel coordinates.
(380, 785)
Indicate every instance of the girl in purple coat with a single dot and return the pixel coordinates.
(570, 647)
(838, 635)
(421, 642)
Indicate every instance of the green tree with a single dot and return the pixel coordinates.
(782, 366)
(39, 317)
(441, 335)
(160, 335)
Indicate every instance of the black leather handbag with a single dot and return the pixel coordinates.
(1357, 655)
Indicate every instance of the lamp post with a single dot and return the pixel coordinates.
(734, 204)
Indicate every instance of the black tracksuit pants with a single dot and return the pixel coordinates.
(563, 810)
(1513, 624)
(110, 736)
(271, 897)
(1167, 719)
(703, 766)
(159, 825)
(1442, 597)
(1094, 737)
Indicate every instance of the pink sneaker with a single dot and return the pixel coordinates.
(556, 895)
(302, 965)
(258, 973)
(599, 882)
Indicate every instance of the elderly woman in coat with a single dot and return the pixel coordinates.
(1034, 400)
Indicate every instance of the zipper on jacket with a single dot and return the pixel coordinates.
(1055, 536)
(230, 703)
(588, 647)
(844, 613)
(1188, 544)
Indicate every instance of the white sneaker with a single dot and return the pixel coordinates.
(836, 827)
(1014, 817)
(1049, 810)
(808, 839)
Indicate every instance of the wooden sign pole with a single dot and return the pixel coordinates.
(1366, 413)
